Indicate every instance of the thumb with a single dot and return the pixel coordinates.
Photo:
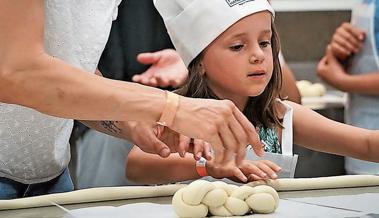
(330, 57)
(148, 58)
(156, 145)
(161, 148)
(328, 52)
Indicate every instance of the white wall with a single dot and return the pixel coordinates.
(313, 5)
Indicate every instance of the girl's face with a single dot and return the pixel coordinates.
(239, 63)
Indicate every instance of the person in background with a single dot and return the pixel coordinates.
(351, 64)
(289, 90)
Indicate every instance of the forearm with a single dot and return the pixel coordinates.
(147, 168)
(361, 84)
(32, 78)
(373, 145)
(113, 128)
(55, 88)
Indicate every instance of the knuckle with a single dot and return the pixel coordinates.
(156, 144)
(229, 106)
(210, 129)
(345, 25)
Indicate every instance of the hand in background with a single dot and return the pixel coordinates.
(346, 41)
(167, 69)
(330, 70)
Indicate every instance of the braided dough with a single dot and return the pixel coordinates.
(320, 182)
(220, 199)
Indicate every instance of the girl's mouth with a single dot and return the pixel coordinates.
(258, 73)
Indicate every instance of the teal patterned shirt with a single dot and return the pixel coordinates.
(271, 138)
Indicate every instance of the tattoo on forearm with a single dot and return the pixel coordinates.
(111, 126)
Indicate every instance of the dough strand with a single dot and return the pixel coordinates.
(298, 184)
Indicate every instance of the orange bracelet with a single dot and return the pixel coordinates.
(169, 111)
(201, 167)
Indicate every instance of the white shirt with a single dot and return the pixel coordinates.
(33, 146)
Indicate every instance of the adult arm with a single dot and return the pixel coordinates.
(32, 78)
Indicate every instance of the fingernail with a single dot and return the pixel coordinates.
(244, 179)
(264, 175)
(274, 175)
(209, 157)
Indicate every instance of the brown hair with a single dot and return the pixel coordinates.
(260, 110)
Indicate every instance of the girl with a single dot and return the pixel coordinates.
(231, 49)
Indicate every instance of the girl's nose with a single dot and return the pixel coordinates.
(257, 57)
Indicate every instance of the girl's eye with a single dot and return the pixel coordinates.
(236, 47)
(264, 44)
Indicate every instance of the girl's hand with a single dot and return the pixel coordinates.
(260, 170)
(253, 170)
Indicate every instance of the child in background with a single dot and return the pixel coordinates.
(351, 64)
(231, 49)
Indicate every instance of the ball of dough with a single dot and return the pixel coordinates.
(319, 89)
(307, 89)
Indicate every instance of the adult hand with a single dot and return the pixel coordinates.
(346, 41)
(330, 70)
(183, 144)
(254, 170)
(220, 123)
(167, 69)
(159, 140)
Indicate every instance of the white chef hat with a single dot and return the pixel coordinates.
(194, 24)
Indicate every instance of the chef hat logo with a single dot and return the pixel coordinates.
(194, 24)
(232, 3)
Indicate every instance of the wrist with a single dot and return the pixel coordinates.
(344, 82)
(169, 112)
